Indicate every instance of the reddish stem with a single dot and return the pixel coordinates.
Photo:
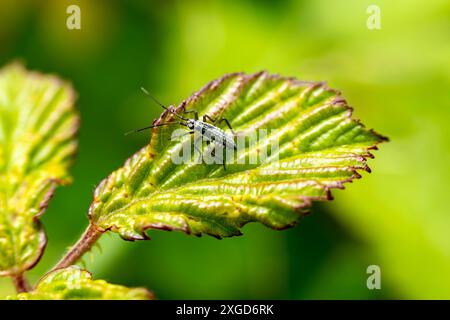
(21, 283)
(83, 245)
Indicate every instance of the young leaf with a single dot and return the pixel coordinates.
(320, 147)
(73, 283)
(37, 128)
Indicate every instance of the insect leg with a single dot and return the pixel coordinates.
(194, 112)
(228, 124)
(205, 116)
(213, 153)
(219, 121)
(199, 150)
(183, 109)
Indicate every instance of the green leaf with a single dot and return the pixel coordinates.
(37, 143)
(320, 148)
(73, 283)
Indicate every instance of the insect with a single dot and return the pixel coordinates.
(207, 131)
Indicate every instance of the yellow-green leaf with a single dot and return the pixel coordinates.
(37, 142)
(320, 148)
(73, 283)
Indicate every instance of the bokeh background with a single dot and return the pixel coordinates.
(397, 78)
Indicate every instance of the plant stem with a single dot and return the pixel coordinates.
(21, 283)
(83, 245)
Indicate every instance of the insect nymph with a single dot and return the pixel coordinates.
(208, 132)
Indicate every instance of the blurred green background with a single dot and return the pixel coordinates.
(397, 78)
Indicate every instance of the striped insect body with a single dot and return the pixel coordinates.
(209, 132)
(212, 133)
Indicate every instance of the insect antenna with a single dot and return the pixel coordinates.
(150, 127)
(161, 105)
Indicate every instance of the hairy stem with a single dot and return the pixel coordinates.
(83, 245)
(21, 283)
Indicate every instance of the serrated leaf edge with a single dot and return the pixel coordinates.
(307, 200)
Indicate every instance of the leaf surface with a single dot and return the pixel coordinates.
(320, 147)
(37, 142)
(73, 283)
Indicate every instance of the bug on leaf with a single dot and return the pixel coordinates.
(209, 132)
